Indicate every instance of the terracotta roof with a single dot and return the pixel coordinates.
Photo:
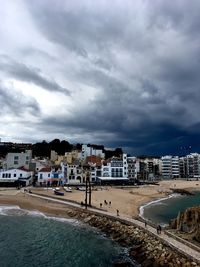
(93, 159)
(22, 168)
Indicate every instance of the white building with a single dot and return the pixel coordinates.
(47, 176)
(114, 169)
(91, 151)
(170, 167)
(21, 175)
(16, 160)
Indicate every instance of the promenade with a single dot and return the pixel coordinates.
(181, 246)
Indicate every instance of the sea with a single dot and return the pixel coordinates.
(32, 239)
(162, 211)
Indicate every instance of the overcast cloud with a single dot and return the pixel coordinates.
(123, 73)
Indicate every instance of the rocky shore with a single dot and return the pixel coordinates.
(146, 249)
(187, 224)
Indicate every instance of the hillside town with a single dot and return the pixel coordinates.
(73, 168)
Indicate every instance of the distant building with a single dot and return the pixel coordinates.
(16, 160)
(170, 167)
(133, 168)
(88, 150)
(191, 165)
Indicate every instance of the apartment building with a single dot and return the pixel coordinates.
(170, 167)
(16, 160)
(88, 150)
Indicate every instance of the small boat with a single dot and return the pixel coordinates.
(81, 188)
(67, 189)
(59, 193)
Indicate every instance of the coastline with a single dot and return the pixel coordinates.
(141, 208)
(143, 247)
(129, 201)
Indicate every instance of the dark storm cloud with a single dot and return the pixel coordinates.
(29, 74)
(141, 59)
(14, 103)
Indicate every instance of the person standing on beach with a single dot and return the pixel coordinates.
(145, 224)
(117, 212)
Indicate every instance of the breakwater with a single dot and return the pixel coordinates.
(144, 247)
(144, 244)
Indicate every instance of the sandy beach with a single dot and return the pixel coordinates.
(126, 200)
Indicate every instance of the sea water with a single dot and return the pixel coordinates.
(33, 239)
(162, 211)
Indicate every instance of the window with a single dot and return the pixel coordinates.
(15, 162)
(3, 176)
(16, 157)
(27, 162)
(20, 175)
(27, 157)
(48, 174)
(9, 175)
(14, 175)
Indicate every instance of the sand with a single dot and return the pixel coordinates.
(126, 200)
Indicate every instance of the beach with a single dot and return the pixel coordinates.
(127, 200)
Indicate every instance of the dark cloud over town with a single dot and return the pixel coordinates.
(119, 74)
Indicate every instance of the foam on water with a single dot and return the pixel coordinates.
(8, 210)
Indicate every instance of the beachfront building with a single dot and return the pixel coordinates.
(114, 169)
(170, 167)
(93, 164)
(14, 177)
(191, 166)
(74, 174)
(133, 168)
(89, 150)
(16, 160)
(48, 176)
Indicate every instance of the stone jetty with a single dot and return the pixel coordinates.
(145, 246)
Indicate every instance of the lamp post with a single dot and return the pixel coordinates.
(88, 191)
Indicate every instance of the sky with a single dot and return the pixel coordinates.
(118, 73)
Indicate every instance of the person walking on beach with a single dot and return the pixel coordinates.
(160, 229)
(145, 224)
(157, 228)
(117, 212)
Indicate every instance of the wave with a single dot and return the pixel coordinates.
(9, 210)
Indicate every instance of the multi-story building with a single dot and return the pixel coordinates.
(75, 173)
(114, 169)
(16, 160)
(133, 168)
(191, 166)
(89, 150)
(170, 167)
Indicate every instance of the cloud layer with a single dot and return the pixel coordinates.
(123, 74)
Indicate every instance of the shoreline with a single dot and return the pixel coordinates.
(129, 201)
(143, 247)
(141, 208)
